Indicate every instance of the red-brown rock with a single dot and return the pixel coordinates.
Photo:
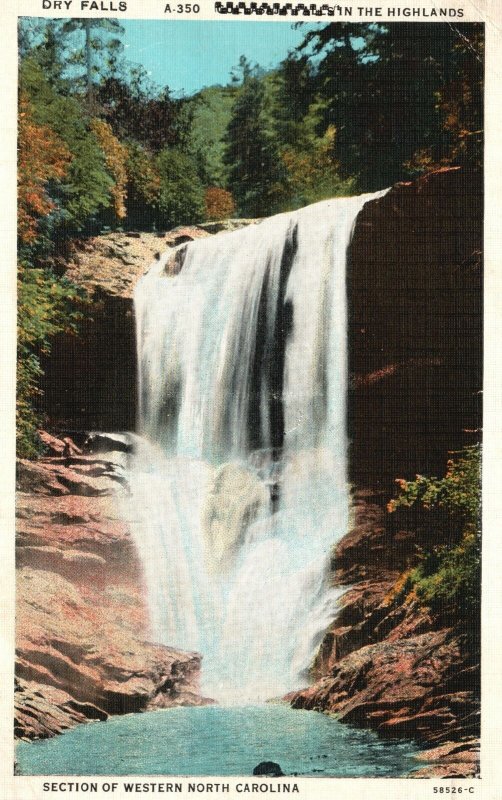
(391, 686)
(82, 625)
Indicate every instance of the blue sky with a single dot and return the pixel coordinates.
(187, 55)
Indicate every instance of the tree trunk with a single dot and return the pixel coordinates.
(88, 64)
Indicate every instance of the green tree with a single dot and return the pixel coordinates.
(181, 193)
(388, 91)
(305, 144)
(86, 190)
(294, 95)
(212, 111)
(99, 51)
(251, 154)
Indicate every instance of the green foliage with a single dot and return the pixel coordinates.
(404, 98)
(51, 105)
(279, 149)
(87, 187)
(181, 195)
(27, 420)
(295, 102)
(113, 172)
(212, 111)
(459, 492)
(449, 580)
(251, 154)
(448, 577)
(47, 305)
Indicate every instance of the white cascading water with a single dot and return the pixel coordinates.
(239, 486)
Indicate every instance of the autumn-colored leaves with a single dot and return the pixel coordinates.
(116, 160)
(42, 157)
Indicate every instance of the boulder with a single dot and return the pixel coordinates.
(58, 447)
(235, 499)
(97, 442)
(269, 768)
(396, 687)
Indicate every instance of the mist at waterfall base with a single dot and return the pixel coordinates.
(239, 483)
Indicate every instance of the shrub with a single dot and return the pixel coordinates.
(448, 577)
(448, 580)
(459, 492)
(219, 203)
(47, 305)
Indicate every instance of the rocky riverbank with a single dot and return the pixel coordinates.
(386, 663)
(82, 626)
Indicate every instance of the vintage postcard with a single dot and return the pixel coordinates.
(255, 313)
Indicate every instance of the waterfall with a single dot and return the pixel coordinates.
(239, 483)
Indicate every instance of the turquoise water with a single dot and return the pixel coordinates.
(216, 740)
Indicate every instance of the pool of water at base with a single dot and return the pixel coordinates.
(220, 741)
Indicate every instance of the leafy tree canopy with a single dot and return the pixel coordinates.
(251, 152)
(402, 97)
(181, 196)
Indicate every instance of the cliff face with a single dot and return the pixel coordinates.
(82, 626)
(415, 319)
(414, 289)
(97, 368)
